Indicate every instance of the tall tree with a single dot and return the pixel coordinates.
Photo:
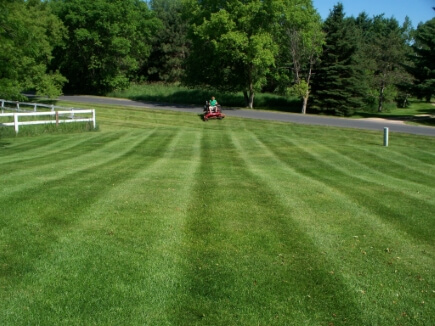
(108, 42)
(339, 80)
(424, 60)
(28, 33)
(385, 50)
(301, 42)
(233, 46)
(171, 45)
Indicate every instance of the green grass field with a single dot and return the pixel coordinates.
(161, 219)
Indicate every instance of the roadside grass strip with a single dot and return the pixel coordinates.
(160, 219)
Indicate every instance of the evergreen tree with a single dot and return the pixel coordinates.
(171, 45)
(424, 61)
(338, 83)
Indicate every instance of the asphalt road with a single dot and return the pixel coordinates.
(393, 126)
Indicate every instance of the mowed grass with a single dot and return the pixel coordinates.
(161, 219)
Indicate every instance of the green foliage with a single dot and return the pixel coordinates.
(171, 44)
(108, 42)
(233, 47)
(338, 86)
(384, 52)
(301, 39)
(28, 34)
(424, 60)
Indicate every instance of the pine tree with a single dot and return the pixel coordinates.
(424, 60)
(338, 83)
(171, 45)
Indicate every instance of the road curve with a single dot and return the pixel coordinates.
(371, 124)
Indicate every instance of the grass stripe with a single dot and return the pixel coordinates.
(364, 171)
(126, 230)
(16, 155)
(249, 262)
(402, 215)
(68, 194)
(98, 152)
(358, 225)
(172, 221)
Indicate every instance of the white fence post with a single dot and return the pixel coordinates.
(16, 123)
(93, 118)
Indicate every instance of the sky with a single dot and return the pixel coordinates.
(417, 10)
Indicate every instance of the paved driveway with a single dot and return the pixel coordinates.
(372, 124)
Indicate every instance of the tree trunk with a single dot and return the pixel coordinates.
(307, 91)
(381, 98)
(305, 103)
(251, 100)
(246, 98)
(249, 97)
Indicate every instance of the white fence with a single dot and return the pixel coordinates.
(22, 111)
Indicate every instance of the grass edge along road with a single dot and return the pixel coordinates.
(161, 219)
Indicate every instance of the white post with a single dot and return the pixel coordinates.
(386, 137)
(93, 118)
(16, 122)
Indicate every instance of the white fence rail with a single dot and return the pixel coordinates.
(58, 114)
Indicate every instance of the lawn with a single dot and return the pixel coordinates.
(159, 218)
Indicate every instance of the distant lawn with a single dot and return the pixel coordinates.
(161, 219)
(418, 112)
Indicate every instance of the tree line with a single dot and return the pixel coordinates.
(335, 66)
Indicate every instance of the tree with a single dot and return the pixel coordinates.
(424, 60)
(385, 49)
(338, 85)
(233, 47)
(28, 33)
(171, 45)
(301, 45)
(108, 42)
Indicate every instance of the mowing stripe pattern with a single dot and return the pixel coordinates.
(161, 219)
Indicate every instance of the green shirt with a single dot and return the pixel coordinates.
(213, 102)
